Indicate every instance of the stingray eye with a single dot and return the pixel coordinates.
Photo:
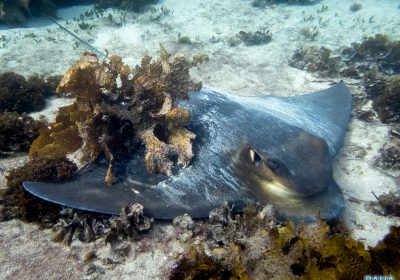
(254, 157)
(273, 164)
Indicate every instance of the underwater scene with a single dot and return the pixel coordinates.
(230, 139)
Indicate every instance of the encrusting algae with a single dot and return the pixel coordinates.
(117, 108)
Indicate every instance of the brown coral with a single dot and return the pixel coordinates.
(116, 109)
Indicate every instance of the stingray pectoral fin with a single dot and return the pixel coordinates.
(89, 192)
(93, 196)
(327, 205)
(324, 113)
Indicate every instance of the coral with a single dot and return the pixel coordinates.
(255, 38)
(17, 132)
(116, 110)
(20, 95)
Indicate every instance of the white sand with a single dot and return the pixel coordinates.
(44, 48)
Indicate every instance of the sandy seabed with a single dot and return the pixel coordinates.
(42, 47)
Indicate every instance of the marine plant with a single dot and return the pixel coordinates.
(310, 33)
(376, 60)
(258, 37)
(385, 94)
(315, 59)
(390, 203)
(184, 39)
(355, 7)
(136, 6)
(252, 246)
(21, 95)
(117, 109)
(264, 3)
(17, 132)
(389, 158)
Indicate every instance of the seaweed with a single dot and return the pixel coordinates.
(385, 93)
(310, 33)
(315, 59)
(390, 203)
(377, 53)
(116, 110)
(389, 158)
(136, 6)
(265, 3)
(253, 246)
(17, 132)
(355, 7)
(184, 39)
(21, 95)
(255, 38)
(376, 60)
(18, 204)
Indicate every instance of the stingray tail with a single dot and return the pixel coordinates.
(93, 49)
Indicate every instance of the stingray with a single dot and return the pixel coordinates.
(265, 149)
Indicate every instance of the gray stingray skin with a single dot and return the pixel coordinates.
(225, 125)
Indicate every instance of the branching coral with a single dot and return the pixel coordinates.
(117, 109)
